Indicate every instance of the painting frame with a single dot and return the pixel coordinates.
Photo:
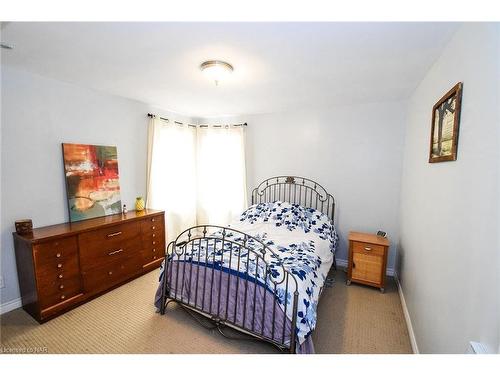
(439, 109)
(92, 181)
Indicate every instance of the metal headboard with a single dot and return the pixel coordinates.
(295, 190)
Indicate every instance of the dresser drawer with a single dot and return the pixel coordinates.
(152, 236)
(366, 248)
(52, 279)
(153, 224)
(109, 235)
(156, 247)
(109, 245)
(110, 253)
(104, 277)
(49, 253)
(154, 239)
(63, 268)
(59, 290)
(55, 261)
(150, 256)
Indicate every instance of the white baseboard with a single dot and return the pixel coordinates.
(11, 305)
(343, 263)
(406, 313)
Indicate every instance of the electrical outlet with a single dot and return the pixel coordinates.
(2, 285)
(476, 348)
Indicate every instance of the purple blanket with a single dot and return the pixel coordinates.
(228, 298)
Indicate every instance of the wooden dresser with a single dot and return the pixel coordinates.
(367, 259)
(64, 265)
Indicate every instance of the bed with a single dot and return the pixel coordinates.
(264, 273)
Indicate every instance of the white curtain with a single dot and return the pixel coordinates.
(221, 174)
(196, 174)
(172, 174)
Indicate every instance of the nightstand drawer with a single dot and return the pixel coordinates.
(367, 248)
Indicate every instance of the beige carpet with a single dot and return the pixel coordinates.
(351, 319)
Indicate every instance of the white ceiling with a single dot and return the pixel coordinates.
(278, 66)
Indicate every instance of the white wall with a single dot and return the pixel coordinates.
(38, 114)
(355, 152)
(498, 181)
(449, 211)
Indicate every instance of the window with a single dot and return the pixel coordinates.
(196, 174)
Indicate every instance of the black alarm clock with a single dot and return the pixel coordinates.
(381, 233)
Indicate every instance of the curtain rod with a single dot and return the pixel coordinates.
(201, 126)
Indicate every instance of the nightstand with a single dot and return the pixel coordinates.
(367, 259)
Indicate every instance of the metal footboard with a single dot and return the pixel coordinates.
(187, 264)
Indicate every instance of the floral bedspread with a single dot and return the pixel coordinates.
(304, 241)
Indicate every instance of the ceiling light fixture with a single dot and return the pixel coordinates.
(216, 70)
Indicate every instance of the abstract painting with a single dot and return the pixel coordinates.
(92, 181)
(445, 124)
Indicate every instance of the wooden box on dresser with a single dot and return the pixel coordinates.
(64, 265)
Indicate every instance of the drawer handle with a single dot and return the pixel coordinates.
(61, 286)
(153, 227)
(59, 265)
(63, 296)
(110, 273)
(61, 276)
(58, 255)
(154, 250)
(154, 235)
(115, 252)
(114, 234)
(152, 219)
(368, 248)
